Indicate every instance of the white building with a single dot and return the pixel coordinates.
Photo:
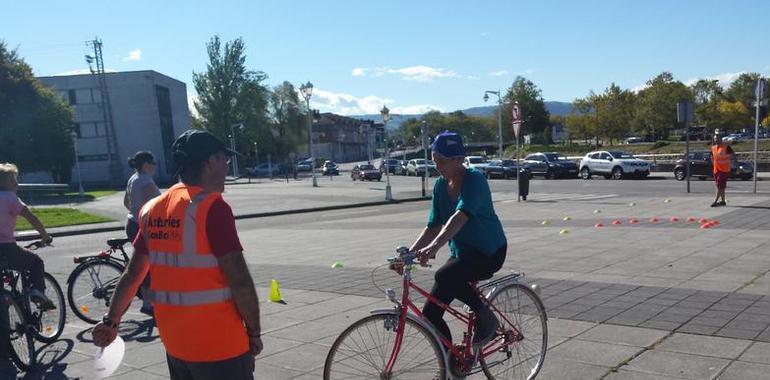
(149, 110)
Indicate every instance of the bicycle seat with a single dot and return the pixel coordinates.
(117, 243)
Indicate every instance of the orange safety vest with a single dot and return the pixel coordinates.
(194, 310)
(720, 158)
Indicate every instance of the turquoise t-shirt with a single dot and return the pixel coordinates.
(483, 231)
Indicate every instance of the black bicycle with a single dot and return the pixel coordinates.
(92, 283)
(28, 321)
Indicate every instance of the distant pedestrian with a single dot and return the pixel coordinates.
(722, 156)
(140, 189)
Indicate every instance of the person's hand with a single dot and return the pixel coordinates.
(255, 344)
(426, 253)
(104, 335)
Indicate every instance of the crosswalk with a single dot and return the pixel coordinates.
(553, 197)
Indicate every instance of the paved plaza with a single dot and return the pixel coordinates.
(646, 300)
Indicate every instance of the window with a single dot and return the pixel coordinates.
(604, 156)
(73, 99)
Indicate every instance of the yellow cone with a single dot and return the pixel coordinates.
(632, 204)
(336, 265)
(667, 201)
(275, 293)
(563, 232)
(545, 223)
(567, 219)
(597, 211)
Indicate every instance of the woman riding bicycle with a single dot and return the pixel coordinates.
(461, 214)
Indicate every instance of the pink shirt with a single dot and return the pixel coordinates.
(10, 208)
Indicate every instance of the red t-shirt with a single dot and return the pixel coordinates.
(220, 228)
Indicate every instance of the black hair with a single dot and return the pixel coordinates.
(139, 159)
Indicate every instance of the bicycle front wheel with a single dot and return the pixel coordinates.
(526, 335)
(21, 339)
(362, 351)
(91, 289)
(51, 323)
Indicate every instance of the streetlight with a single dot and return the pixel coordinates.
(499, 120)
(307, 91)
(232, 147)
(423, 130)
(385, 112)
(74, 136)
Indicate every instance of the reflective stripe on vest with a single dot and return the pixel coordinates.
(183, 260)
(193, 298)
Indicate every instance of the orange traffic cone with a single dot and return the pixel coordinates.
(633, 221)
(617, 222)
(674, 219)
(690, 219)
(653, 220)
(598, 225)
(702, 220)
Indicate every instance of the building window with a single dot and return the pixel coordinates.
(72, 97)
(96, 157)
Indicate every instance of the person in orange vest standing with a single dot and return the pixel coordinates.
(722, 156)
(205, 304)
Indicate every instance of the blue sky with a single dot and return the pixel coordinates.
(411, 55)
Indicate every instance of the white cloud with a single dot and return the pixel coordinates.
(81, 72)
(419, 73)
(724, 79)
(499, 73)
(472, 77)
(346, 104)
(134, 55)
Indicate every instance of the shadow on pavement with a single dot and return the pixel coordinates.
(139, 331)
(50, 357)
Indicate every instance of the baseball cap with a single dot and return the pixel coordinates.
(195, 146)
(448, 144)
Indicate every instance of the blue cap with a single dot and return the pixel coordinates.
(448, 144)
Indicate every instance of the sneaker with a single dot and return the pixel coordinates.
(39, 298)
(485, 326)
(715, 204)
(722, 203)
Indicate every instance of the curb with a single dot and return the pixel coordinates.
(94, 230)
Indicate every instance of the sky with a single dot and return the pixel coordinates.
(412, 56)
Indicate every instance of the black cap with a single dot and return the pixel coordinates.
(195, 146)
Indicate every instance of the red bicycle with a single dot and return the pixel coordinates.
(399, 343)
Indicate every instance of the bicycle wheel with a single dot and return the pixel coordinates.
(363, 350)
(22, 342)
(520, 359)
(90, 290)
(51, 323)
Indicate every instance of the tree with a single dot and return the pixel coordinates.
(581, 121)
(656, 106)
(229, 93)
(742, 89)
(707, 94)
(35, 123)
(616, 112)
(288, 118)
(535, 117)
(735, 115)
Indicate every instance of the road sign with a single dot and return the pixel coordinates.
(516, 113)
(684, 111)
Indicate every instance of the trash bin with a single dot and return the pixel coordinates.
(523, 180)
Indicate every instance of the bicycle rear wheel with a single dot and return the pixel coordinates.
(51, 323)
(21, 339)
(91, 288)
(520, 359)
(363, 350)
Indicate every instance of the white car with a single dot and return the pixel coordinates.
(477, 162)
(418, 167)
(613, 164)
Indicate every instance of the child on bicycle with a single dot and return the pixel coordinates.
(13, 256)
(462, 215)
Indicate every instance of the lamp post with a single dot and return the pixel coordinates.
(423, 130)
(77, 162)
(232, 147)
(385, 112)
(307, 91)
(499, 120)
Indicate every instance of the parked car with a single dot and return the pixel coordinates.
(613, 164)
(702, 167)
(330, 168)
(550, 165)
(634, 140)
(505, 169)
(735, 137)
(476, 162)
(391, 165)
(365, 172)
(305, 165)
(418, 167)
(264, 170)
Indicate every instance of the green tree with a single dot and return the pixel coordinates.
(35, 123)
(615, 112)
(707, 94)
(288, 118)
(656, 105)
(581, 120)
(229, 93)
(742, 89)
(735, 115)
(535, 117)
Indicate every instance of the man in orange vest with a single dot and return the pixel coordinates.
(722, 156)
(205, 304)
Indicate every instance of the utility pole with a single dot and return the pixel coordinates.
(759, 93)
(115, 169)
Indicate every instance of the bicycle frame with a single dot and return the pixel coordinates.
(406, 305)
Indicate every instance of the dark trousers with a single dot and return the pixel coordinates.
(5, 343)
(21, 260)
(452, 282)
(132, 229)
(237, 368)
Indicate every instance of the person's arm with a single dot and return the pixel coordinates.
(125, 201)
(124, 293)
(426, 236)
(447, 232)
(245, 296)
(36, 223)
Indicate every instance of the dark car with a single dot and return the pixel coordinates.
(393, 166)
(701, 167)
(501, 169)
(305, 165)
(330, 168)
(550, 165)
(365, 172)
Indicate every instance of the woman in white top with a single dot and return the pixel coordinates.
(140, 189)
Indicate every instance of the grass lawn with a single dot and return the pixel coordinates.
(93, 194)
(60, 216)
